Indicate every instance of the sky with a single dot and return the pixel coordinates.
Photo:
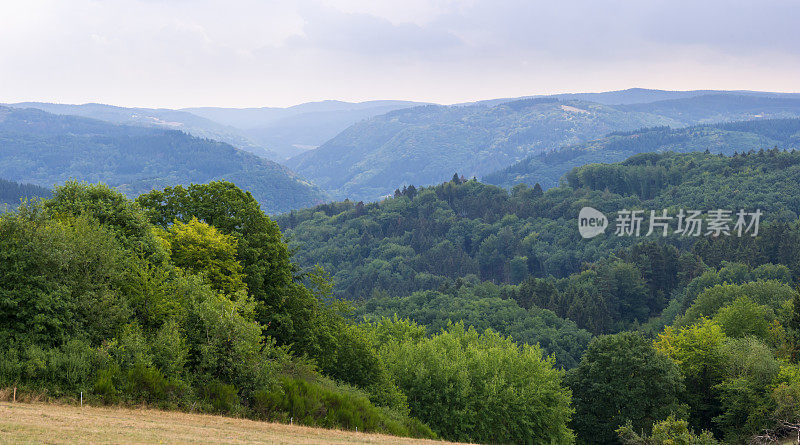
(249, 53)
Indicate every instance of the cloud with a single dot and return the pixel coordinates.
(368, 35)
(257, 52)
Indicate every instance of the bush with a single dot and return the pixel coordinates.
(482, 387)
(328, 405)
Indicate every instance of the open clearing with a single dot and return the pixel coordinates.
(47, 423)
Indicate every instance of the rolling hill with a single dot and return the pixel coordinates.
(156, 118)
(424, 145)
(270, 132)
(293, 130)
(46, 149)
(547, 168)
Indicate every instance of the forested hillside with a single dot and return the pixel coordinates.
(418, 145)
(293, 130)
(157, 118)
(422, 145)
(189, 299)
(728, 138)
(12, 193)
(676, 338)
(716, 107)
(46, 149)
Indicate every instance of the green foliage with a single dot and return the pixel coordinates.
(621, 380)
(286, 310)
(697, 350)
(744, 318)
(203, 250)
(486, 306)
(326, 405)
(481, 387)
(771, 294)
(670, 431)
(93, 302)
(548, 168)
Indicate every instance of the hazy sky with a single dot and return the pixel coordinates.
(275, 53)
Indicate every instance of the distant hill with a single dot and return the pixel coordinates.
(293, 130)
(547, 168)
(711, 108)
(11, 193)
(424, 145)
(158, 118)
(272, 133)
(641, 96)
(47, 149)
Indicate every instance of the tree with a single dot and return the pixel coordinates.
(743, 318)
(481, 387)
(203, 250)
(671, 431)
(621, 379)
(697, 350)
(285, 309)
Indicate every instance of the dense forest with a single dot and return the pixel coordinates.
(189, 299)
(13, 193)
(546, 169)
(462, 311)
(46, 149)
(694, 314)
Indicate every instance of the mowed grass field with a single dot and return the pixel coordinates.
(49, 423)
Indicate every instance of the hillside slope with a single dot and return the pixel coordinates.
(293, 130)
(424, 145)
(156, 118)
(47, 149)
(547, 168)
(12, 192)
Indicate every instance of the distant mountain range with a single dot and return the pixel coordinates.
(272, 133)
(547, 169)
(425, 145)
(293, 130)
(366, 150)
(46, 149)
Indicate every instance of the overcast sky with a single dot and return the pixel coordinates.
(250, 53)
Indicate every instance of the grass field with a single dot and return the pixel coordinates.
(48, 423)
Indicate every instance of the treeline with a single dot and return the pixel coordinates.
(12, 193)
(189, 299)
(725, 138)
(429, 236)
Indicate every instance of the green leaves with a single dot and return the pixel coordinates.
(481, 387)
(622, 379)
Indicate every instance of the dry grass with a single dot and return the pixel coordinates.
(50, 423)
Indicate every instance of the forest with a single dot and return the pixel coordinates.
(461, 311)
(12, 193)
(727, 138)
(47, 149)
